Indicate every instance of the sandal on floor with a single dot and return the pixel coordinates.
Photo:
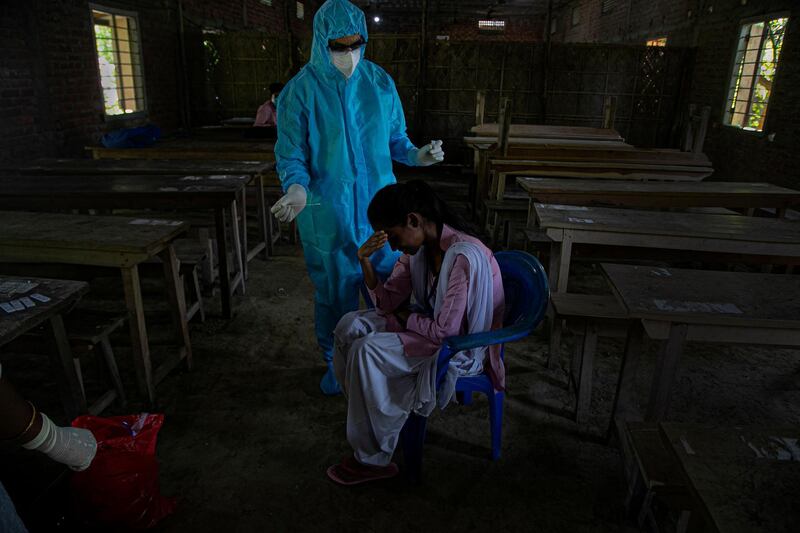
(351, 472)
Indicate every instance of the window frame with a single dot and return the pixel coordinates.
(143, 113)
(732, 68)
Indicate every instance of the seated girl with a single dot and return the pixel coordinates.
(446, 283)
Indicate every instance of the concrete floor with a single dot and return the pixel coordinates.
(248, 438)
(248, 435)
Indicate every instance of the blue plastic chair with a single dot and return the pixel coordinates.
(526, 295)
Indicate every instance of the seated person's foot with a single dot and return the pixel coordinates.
(351, 472)
(329, 385)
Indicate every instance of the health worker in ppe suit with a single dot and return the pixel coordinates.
(340, 125)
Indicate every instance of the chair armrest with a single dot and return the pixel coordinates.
(487, 338)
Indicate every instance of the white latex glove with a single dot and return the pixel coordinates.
(74, 447)
(290, 204)
(430, 154)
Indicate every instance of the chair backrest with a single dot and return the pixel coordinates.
(526, 296)
(526, 289)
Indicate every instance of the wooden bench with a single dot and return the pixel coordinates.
(500, 218)
(87, 330)
(192, 253)
(589, 317)
(653, 475)
(202, 229)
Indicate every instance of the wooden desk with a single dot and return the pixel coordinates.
(519, 147)
(192, 149)
(108, 167)
(117, 242)
(605, 170)
(486, 147)
(741, 479)
(746, 238)
(676, 306)
(234, 133)
(262, 174)
(63, 295)
(526, 143)
(544, 131)
(217, 193)
(616, 152)
(657, 194)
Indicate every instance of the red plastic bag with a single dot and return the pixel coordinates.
(120, 488)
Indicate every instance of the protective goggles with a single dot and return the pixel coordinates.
(339, 47)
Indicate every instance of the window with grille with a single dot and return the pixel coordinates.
(753, 74)
(491, 25)
(119, 60)
(607, 6)
(659, 41)
(301, 10)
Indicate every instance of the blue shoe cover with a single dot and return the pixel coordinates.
(329, 385)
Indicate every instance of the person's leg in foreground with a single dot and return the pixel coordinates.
(379, 381)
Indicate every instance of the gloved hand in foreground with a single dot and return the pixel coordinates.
(290, 204)
(430, 154)
(74, 447)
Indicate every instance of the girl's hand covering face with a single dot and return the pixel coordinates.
(372, 245)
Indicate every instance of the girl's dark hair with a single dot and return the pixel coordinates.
(392, 204)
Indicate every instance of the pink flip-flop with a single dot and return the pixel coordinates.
(351, 472)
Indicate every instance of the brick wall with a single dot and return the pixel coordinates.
(50, 96)
(51, 103)
(741, 154)
(458, 28)
(50, 99)
(633, 21)
(236, 14)
(712, 27)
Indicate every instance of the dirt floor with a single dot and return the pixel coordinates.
(248, 435)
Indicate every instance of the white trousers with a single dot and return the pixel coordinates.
(381, 384)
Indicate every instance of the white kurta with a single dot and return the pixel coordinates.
(382, 384)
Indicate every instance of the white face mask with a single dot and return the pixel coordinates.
(346, 62)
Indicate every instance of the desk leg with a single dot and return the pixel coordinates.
(622, 408)
(564, 261)
(556, 327)
(177, 301)
(139, 343)
(481, 185)
(72, 395)
(666, 370)
(263, 219)
(560, 257)
(222, 263)
(237, 251)
(584, 395)
(531, 216)
(243, 235)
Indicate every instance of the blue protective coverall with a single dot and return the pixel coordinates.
(337, 138)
